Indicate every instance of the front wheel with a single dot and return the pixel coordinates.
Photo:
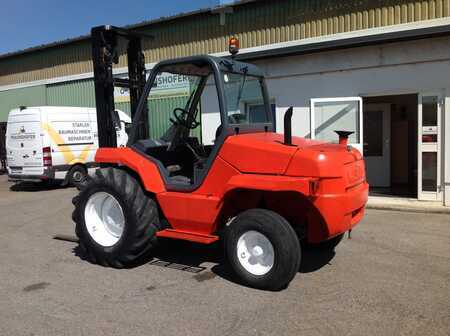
(116, 223)
(263, 249)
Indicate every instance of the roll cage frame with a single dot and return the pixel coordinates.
(219, 66)
(105, 53)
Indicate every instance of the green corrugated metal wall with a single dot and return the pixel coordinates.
(31, 96)
(125, 107)
(82, 93)
(159, 120)
(78, 93)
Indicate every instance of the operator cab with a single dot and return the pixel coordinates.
(186, 131)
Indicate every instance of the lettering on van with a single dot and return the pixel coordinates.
(61, 133)
(75, 132)
(22, 136)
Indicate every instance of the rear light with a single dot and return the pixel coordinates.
(47, 156)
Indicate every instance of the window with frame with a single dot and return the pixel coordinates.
(256, 113)
(330, 115)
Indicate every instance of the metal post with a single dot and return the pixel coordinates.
(136, 75)
(104, 54)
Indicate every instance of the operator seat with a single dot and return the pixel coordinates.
(184, 180)
(180, 179)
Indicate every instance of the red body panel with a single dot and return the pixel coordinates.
(147, 170)
(329, 179)
(268, 182)
(196, 212)
(336, 213)
(246, 152)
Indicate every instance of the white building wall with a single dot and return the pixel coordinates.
(407, 67)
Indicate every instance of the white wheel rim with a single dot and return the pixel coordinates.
(255, 253)
(104, 218)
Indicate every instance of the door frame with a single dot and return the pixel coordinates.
(430, 147)
(358, 99)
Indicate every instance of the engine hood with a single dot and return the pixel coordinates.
(265, 153)
(327, 160)
(260, 153)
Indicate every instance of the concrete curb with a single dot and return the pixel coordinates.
(406, 205)
(408, 209)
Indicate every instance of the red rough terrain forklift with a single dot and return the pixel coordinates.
(262, 193)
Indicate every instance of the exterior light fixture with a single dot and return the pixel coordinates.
(233, 46)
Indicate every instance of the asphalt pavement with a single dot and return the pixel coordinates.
(391, 278)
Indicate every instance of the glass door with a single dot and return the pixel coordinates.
(429, 146)
(337, 114)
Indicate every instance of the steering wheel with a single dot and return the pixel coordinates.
(179, 116)
(180, 119)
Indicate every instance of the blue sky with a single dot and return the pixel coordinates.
(28, 23)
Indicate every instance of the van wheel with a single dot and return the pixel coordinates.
(116, 223)
(263, 249)
(76, 175)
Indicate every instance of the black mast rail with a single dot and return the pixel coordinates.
(104, 54)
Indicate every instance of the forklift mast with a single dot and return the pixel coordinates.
(105, 53)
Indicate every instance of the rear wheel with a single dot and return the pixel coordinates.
(76, 175)
(263, 249)
(116, 223)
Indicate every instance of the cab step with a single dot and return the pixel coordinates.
(189, 236)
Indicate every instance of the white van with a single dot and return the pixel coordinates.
(55, 142)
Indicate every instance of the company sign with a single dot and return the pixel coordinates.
(166, 85)
(23, 134)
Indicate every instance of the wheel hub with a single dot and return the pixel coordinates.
(255, 253)
(77, 176)
(104, 219)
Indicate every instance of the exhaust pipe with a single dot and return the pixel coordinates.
(288, 126)
(343, 137)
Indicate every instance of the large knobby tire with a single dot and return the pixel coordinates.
(263, 249)
(116, 223)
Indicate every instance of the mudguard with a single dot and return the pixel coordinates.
(146, 169)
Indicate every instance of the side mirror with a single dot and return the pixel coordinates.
(116, 120)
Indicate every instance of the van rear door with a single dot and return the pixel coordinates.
(24, 140)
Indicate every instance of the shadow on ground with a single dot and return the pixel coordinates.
(186, 256)
(35, 186)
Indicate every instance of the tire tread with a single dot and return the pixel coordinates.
(283, 237)
(143, 217)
